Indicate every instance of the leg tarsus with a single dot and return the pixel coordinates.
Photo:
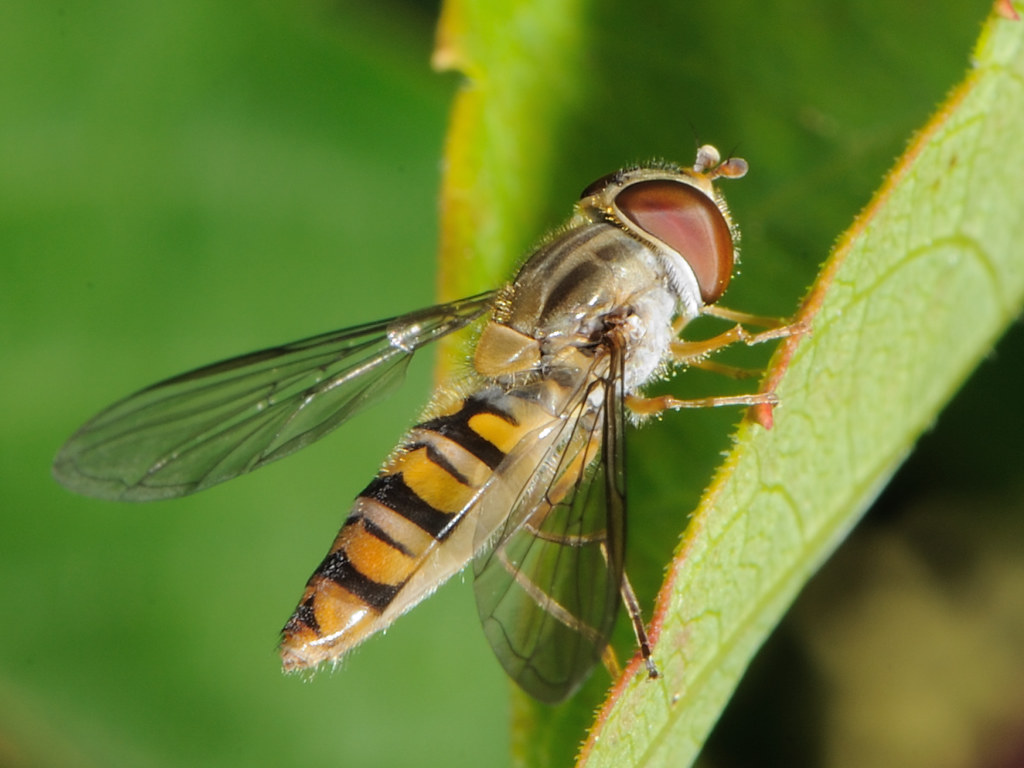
(633, 607)
(758, 321)
(732, 371)
(651, 406)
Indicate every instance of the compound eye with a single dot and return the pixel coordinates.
(687, 221)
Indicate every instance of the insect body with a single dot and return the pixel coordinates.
(519, 468)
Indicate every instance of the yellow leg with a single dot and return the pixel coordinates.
(745, 318)
(685, 351)
(732, 371)
(689, 352)
(651, 406)
(740, 318)
(611, 662)
(693, 352)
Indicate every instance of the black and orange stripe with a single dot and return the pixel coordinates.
(418, 501)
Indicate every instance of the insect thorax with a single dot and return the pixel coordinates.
(573, 290)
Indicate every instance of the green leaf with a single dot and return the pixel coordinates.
(913, 298)
(910, 301)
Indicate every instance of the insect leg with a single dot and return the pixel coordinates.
(758, 321)
(633, 606)
(611, 662)
(692, 352)
(651, 406)
(608, 657)
(732, 371)
(545, 602)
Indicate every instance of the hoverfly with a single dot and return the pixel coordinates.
(517, 468)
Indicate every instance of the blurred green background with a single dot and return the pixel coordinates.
(183, 182)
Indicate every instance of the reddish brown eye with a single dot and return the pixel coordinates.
(689, 222)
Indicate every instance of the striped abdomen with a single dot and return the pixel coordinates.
(418, 522)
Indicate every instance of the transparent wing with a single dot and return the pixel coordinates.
(217, 422)
(548, 592)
